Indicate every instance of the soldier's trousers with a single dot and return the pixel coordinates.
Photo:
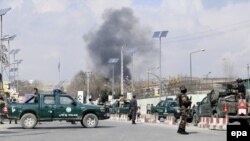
(184, 114)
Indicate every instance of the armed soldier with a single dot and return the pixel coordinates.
(184, 103)
(2, 104)
(240, 88)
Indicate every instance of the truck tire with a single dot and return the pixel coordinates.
(195, 119)
(157, 115)
(28, 121)
(215, 115)
(243, 122)
(89, 121)
(248, 121)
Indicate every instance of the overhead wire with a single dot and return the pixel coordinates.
(209, 33)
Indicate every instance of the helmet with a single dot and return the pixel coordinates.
(57, 91)
(239, 80)
(183, 89)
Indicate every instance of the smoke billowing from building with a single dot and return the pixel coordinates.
(120, 27)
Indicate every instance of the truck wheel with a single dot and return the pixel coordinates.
(248, 121)
(28, 121)
(215, 115)
(157, 115)
(89, 120)
(195, 119)
(243, 122)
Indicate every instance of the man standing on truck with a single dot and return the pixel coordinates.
(240, 88)
(184, 103)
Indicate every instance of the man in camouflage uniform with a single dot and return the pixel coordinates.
(184, 103)
(2, 104)
(241, 90)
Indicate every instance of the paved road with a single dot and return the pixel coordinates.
(107, 131)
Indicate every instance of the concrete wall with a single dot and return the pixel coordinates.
(143, 102)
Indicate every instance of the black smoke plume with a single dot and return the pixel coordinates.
(120, 28)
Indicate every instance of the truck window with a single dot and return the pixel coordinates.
(173, 104)
(30, 100)
(64, 100)
(230, 98)
(204, 100)
(160, 103)
(49, 100)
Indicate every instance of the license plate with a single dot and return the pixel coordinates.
(242, 111)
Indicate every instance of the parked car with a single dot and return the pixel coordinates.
(116, 108)
(166, 107)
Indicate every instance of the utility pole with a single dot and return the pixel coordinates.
(122, 93)
(132, 78)
(247, 76)
(88, 77)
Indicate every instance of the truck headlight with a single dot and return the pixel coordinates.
(178, 111)
(102, 109)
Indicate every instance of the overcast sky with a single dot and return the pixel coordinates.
(52, 30)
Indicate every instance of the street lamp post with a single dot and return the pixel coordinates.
(14, 52)
(132, 76)
(2, 13)
(8, 38)
(248, 76)
(153, 68)
(88, 77)
(158, 79)
(207, 77)
(17, 63)
(113, 61)
(197, 51)
(160, 34)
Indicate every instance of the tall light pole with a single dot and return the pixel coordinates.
(8, 38)
(149, 69)
(207, 77)
(160, 34)
(113, 61)
(2, 13)
(17, 63)
(88, 77)
(122, 71)
(158, 79)
(248, 87)
(226, 65)
(14, 52)
(132, 76)
(197, 51)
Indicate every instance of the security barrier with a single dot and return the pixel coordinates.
(204, 122)
(170, 120)
(147, 118)
(212, 123)
(218, 123)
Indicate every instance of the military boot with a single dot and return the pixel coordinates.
(184, 132)
(179, 131)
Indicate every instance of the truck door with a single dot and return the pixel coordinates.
(47, 107)
(159, 108)
(67, 108)
(205, 107)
